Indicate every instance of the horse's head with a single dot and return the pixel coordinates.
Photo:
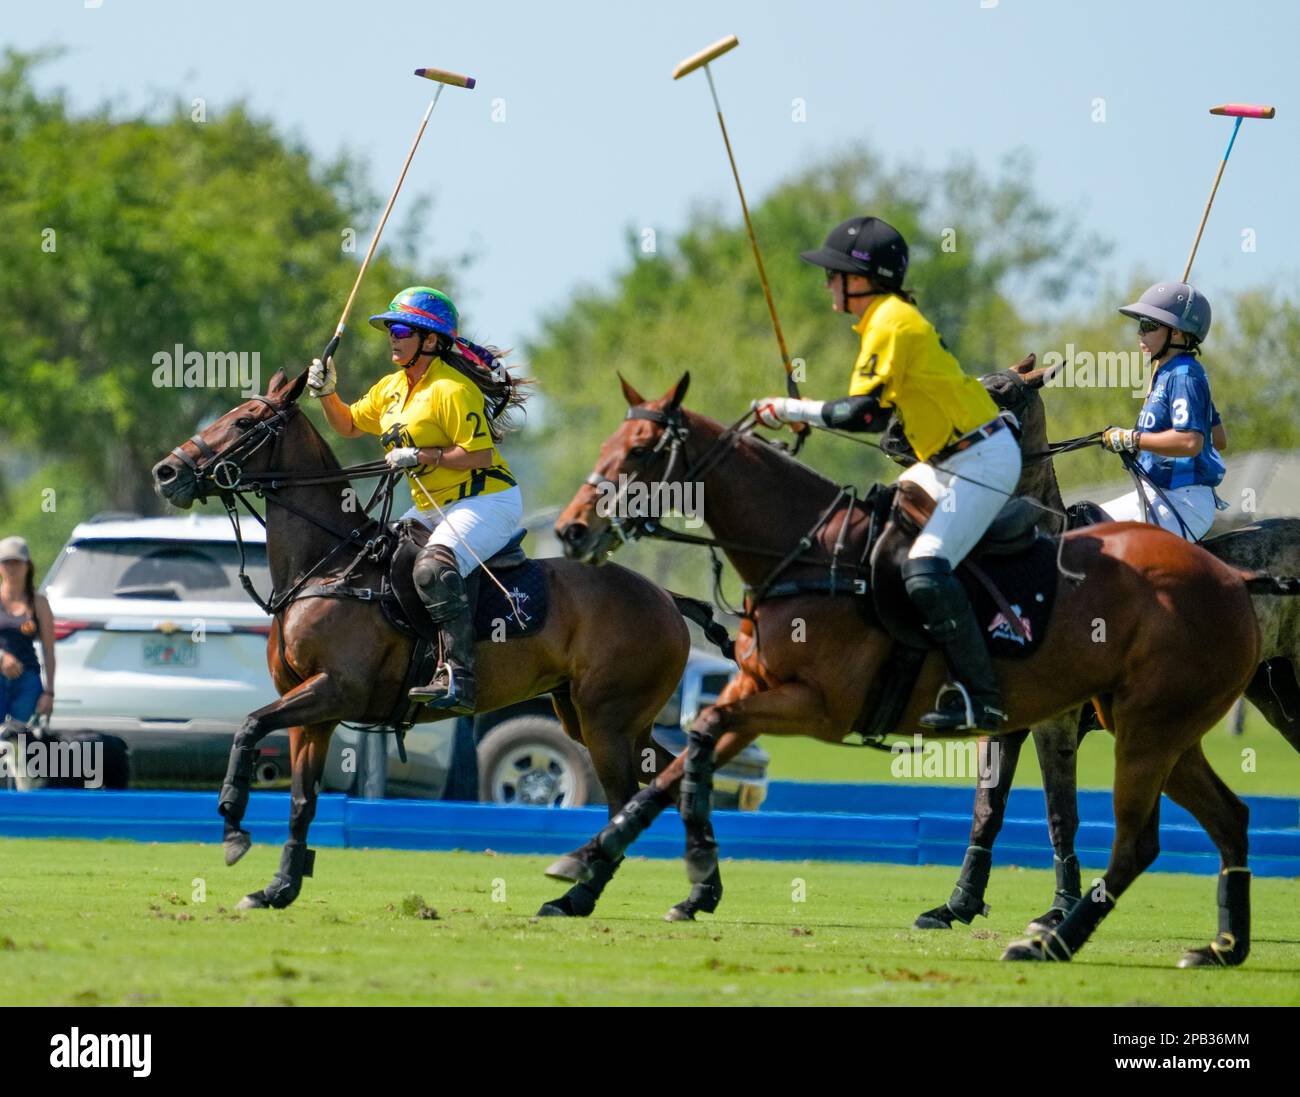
(645, 448)
(1017, 390)
(237, 444)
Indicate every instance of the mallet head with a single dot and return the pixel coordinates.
(1244, 110)
(442, 76)
(705, 56)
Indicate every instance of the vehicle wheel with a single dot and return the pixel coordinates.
(530, 760)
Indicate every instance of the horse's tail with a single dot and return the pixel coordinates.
(699, 611)
(1261, 582)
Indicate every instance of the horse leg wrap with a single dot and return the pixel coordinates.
(697, 784)
(296, 861)
(967, 898)
(1232, 945)
(707, 894)
(701, 852)
(632, 819)
(582, 897)
(239, 778)
(1064, 942)
(1068, 887)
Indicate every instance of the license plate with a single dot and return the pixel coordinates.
(170, 653)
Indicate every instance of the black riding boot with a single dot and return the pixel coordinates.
(971, 702)
(442, 589)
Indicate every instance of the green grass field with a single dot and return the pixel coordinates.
(1272, 770)
(116, 923)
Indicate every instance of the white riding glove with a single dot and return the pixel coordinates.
(404, 457)
(775, 411)
(1121, 439)
(322, 378)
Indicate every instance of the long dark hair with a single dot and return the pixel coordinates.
(29, 593)
(483, 365)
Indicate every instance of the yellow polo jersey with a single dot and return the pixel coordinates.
(903, 357)
(444, 409)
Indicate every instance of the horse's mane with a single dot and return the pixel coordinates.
(767, 452)
(316, 441)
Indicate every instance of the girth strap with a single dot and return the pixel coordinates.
(999, 599)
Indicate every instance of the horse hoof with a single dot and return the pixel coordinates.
(256, 901)
(680, 913)
(1211, 956)
(1028, 948)
(554, 910)
(570, 869)
(939, 918)
(1046, 923)
(1200, 957)
(236, 845)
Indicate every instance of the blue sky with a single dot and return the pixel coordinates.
(597, 137)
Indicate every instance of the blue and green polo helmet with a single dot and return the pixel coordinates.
(420, 307)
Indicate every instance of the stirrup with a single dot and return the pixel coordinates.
(966, 718)
(447, 698)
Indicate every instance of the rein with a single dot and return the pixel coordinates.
(1140, 477)
(674, 436)
(224, 471)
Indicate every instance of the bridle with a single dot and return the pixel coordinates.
(223, 470)
(673, 438)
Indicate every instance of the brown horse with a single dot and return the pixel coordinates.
(1120, 636)
(610, 653)
(1271, 546)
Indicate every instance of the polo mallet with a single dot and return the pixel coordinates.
(701, 60)
(1237, 111)
(442, 78)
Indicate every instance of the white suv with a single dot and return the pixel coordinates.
(158, 643)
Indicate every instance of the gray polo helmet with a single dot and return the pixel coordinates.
(1176, 305)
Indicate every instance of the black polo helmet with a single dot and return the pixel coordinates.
(864, 245)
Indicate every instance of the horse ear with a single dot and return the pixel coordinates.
(629, 393)
(277, 381)
(1032, 377)
(679, 393)
(294, 388)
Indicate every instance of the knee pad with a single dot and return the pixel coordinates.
(929, 581)
(935, 592)
(441, 586)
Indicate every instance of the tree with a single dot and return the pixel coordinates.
(122, 238)
(698, 306)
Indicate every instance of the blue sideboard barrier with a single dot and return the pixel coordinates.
(898, 824)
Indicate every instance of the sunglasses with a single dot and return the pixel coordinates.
(401, 331)
(1146, 327)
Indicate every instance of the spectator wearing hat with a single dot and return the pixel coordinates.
(25, 618)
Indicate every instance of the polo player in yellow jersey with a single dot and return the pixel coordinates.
(969, 455)
(439, 416)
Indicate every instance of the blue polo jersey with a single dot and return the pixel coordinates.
(1180, 400)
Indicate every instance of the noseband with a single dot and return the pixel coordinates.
(222, 467)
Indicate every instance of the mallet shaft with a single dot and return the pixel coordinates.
(374, 240)
(753, 243)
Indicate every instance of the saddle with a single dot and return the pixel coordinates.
(1010, 576)
(521, 576)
